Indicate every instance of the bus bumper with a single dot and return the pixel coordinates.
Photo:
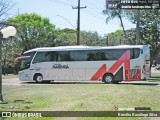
(24, 77)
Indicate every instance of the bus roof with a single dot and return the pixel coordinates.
(61, 48)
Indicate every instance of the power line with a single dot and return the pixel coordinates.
(67, 21)
(94, 15)
(93, 11)
(98, 2)
(60, 2)
(72, 1)
(93, 5)
(89, 12)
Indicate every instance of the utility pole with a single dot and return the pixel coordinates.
(78, 21)
(1, 96)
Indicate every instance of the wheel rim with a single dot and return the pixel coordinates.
(108, 79)
(39, 79)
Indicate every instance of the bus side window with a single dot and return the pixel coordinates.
(51, 55)
(63, 56)
(78, 55)
(90, 56)
(41, 57)
(99, 55)
(136, 52)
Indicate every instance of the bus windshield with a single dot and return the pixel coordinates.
(24, 61)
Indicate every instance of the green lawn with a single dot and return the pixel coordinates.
(9, 76)
(80, 97)
(154, 79)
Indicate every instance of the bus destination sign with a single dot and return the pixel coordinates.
(132, 4)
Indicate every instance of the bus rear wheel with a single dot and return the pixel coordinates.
(108, 78)
(38, 78)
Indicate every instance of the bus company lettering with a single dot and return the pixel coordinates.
(59, 66)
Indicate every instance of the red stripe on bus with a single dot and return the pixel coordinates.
(124, 59)
(99, 73)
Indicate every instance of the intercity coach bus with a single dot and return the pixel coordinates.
(111, 64)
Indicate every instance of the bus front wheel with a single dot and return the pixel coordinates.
(38, 78)
(108, 78)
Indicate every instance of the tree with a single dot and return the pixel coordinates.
(135, 17)
(150, 33)
(65, 37)
(33, 31)
(9, 51)
(90, 38)
(5, 6)
(149, 23)
(111, 14)
(115, 38)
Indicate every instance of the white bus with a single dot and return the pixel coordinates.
(85, 63)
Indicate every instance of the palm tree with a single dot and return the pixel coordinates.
(113, 14)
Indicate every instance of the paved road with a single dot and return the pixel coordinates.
(141, 83)
(17, 82)
(155, 73)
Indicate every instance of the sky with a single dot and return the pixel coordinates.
(62, 15)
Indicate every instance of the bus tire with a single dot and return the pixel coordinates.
(108, 78)
(38, 78)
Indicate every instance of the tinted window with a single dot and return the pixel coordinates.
(136, 52)
(96, 55)
(44, 57)
(63, 56)
(79, 55)
(31, 54)
(25, 62)
(114, 54)
(99, 55)
(87, 55)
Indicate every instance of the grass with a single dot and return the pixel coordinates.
(154, 79)
(9, 76)
(80, 97)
